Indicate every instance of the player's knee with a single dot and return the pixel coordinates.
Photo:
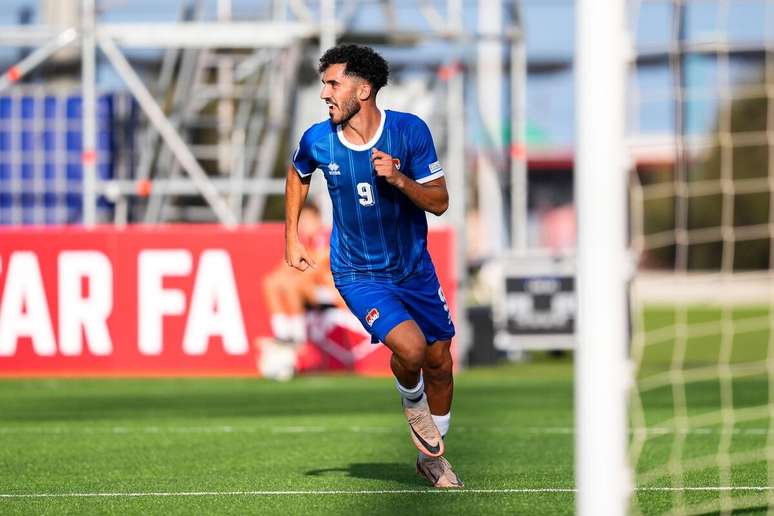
(439, 370)
(412, 358)
(280, 282)
(439, 361)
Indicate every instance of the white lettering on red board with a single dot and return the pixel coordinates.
(153, 300)
(23, 307)
(215, 309)
(89, 312)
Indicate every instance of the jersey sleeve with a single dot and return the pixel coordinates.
(303, 156)
(423, 162)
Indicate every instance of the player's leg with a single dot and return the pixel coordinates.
(425, 302)
(439, 388)
(385, 317)
(409, 351)
(408, 348)
(439, 383)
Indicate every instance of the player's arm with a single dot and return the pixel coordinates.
(431, 196)
(296, 190)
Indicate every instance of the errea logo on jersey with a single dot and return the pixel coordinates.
(435, 166)
(333, 169)
(371, 316)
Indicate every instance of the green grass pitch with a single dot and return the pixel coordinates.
(253, 441)
(339, 444)
(738, 337)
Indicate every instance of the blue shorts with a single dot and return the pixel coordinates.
(381, 305)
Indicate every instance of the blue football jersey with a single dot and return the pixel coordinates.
(378, 233)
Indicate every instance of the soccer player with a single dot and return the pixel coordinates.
(382, 174)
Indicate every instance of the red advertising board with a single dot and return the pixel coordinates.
(159, 300)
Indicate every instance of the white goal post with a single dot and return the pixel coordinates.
(603, 478)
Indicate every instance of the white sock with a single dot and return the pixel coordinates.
(280, 326)
(298, 328)
(442, 422)
(413, 393)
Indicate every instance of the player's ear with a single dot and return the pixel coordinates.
(364, 90)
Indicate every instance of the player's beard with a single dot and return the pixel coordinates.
(349, 108)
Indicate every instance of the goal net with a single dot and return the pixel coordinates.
(701, 132)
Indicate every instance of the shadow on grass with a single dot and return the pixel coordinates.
(385, 471)
(748, 510)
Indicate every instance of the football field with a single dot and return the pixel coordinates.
(315, 445)
(339, 444)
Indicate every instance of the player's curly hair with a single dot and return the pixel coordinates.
(361, 62)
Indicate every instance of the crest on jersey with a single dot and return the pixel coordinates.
(333, 169)
(396, 162)
(371, 316)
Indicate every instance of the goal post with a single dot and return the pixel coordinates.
(603, 478)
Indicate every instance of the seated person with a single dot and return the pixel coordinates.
(289, 292)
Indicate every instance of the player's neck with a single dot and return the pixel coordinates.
(364, 125)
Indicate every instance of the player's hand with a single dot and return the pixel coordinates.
(298, 257)
(385, 167)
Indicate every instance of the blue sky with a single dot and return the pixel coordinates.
(549, 28)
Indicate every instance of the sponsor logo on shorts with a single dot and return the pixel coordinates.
(396, 162)
(435, 166)
(371, 316)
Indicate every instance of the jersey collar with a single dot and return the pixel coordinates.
(368, 144)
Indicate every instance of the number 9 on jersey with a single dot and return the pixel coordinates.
(366, 194)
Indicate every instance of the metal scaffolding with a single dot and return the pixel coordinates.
(238, 82)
